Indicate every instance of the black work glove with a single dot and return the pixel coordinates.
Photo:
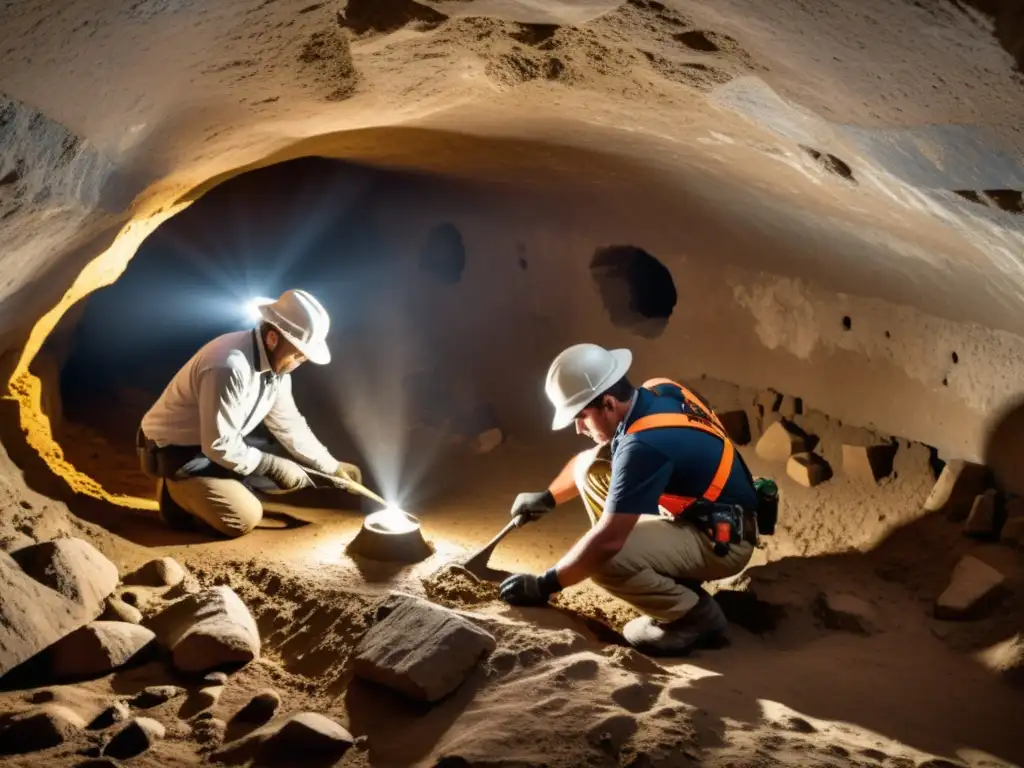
(284, 473)
(530, 506)
(527, 589)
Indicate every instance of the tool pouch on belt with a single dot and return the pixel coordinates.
(723, 523)
(174, 461)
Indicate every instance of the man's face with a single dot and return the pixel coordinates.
(598, 423)
(284, 356)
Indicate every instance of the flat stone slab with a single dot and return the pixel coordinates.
(973, 584)
(99, 648)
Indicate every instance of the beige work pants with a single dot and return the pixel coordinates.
(223, 503)
(659, 554)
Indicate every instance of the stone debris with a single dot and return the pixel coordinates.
(808, 469)
(779, 442)
(155, 695)
(74, 568)
(420, 649)
(210, 629)
(954, 492)
(867, 463)
(846, 612)
(99, 648)
(135, 738)
(162, 572)
(48, 726)
(305, 736)
(261, 707)
(117, 712)
(737, 426)
(981, 522)
(118, 610)
(32, 616)
(972, 585)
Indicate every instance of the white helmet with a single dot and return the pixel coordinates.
(303, 321)
(578, 375)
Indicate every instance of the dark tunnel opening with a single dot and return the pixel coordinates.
(637, 289)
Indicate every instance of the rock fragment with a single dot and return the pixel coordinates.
(162, 572)
(118, 610)
(155, 695)
(808, 469)
(135, 738)
(972, 586)
(420, 649)
(299, 738)
(737, 426)
(867, 463)
(981, 521)
(74, 568)
(956, 488)
(207, 630)
(216, 678)
(779, 442)
(846, 612)
(42, 728)
(99, 648)
(261, 707)
(117, 712)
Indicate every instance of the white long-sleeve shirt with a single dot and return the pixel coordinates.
(215, 401)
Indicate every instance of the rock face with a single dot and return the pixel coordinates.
(420, 649)
(956, 488)
(42, 728)
(98, 648)
(981, 522)
(867, 463)
(779, 442)
(73, 567)
(847, 613)
(162, 572)
(135, 738)
(208, 630)
(973, 584)
(32, 616)
(300, 738)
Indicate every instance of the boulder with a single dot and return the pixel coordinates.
(420, 649)
(808, 469)
(981, 522)
(162, 572)
(32, 616)
(135, 738)
(300, 738)
(737, 426)
(118, 610)
(846, 612)
(779, 442)
(48, 726)
(973, 585)
(867, 463)
(210, 629)
(99, 648)
(73, 567)
(954, 492)
(261, 707)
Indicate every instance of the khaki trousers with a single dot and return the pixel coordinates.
(223, 503)
(663, 560)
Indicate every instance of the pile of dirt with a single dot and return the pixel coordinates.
(453, 585)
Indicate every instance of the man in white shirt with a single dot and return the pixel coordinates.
(193, 438)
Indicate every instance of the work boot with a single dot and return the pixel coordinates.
(704, 623)
(173, 515)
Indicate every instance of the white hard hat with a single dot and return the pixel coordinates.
(579, 374)
(303, 321)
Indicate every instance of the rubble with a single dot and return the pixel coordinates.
(135, 738)
(261, 707)
(867, 463)
(210, 629)
(808, 469)
(420, 649)
(973, 584)
(981, 522)
(779, 442)
(42, 728)
(956, 488)
(74, 568)
(119, 610)
(98, 648)
(162, 572)
(737, 426)
(301, 737)
(847, 613)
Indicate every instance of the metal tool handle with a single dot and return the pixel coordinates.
(482, 556)
(345, 485)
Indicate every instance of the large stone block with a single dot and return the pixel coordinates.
(779, 442)
(981, 522)
(210, 629)
(973, 585)
(421, 649)
(808, 469)
(867, 463)
(32, 616)
(99, 648)
(955, 490)
(73, 567)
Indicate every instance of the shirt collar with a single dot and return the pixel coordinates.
(629, 414)
(260, 361)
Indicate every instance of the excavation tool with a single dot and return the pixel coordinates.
(477, 564)
(333, 481)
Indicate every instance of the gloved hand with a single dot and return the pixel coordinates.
(527, 589)
(349, 472)
(530, 506)
(285, 473)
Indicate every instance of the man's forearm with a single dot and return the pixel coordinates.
(586, 557)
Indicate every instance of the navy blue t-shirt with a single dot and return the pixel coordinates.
(673, 460)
